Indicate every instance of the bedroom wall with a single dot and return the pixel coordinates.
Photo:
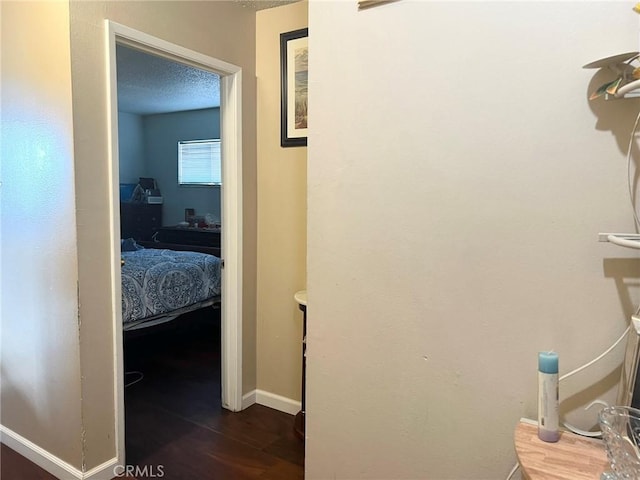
(130, 147)
(429, 302)
(224, 30)
(281, 216)
(161, 136)
(39, 352)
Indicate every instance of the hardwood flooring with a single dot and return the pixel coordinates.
(14, 466)
(175, 426)
(174, 418)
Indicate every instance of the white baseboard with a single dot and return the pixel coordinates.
(104, 471)
(248, 399)
(63, 470)
(271, 400)
(38, 455)
(52, 464)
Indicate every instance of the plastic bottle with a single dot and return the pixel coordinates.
(548, 397)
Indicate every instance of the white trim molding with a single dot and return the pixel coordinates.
(52, 464)
(248, 399)
(232, 208)
(271, 400)
(231, 139)
(38, 455)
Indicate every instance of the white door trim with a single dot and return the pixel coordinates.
(231, 140)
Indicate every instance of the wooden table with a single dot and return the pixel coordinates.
(573, 457)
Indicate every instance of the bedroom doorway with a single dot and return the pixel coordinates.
(231, 210)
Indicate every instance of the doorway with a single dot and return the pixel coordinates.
(231, 210)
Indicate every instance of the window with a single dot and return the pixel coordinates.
(199, 163)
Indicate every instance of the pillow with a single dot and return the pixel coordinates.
(129, 245)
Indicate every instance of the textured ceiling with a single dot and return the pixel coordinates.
(149, 84)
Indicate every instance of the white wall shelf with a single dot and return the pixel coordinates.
(621, 65)
(630, 240)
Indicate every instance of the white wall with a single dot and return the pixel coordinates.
(130, 147)
(40, 375)
(162, 132)
(220, 29)
(282, 222)
(457, 179)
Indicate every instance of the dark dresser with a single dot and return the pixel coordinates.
(205, 240)
(139, 220)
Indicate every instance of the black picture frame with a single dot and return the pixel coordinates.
(293, 85)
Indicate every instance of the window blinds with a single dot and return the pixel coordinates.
(199, 162)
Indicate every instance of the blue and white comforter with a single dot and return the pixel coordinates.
(156, 282)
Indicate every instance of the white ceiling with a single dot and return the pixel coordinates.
(148, 84)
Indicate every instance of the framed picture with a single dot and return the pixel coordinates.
(294, 51)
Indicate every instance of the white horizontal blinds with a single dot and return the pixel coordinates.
(199, 162)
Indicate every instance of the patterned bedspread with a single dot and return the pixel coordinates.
(156, 282)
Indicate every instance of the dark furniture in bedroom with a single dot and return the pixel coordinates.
(299, 420)
(204, 240)
(139, 220)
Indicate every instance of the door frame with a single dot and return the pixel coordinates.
(231, 204)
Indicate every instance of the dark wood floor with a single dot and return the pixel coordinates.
(174, 417)
(14, 466)
(175, 425)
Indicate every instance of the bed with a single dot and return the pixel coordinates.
(160, 285)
